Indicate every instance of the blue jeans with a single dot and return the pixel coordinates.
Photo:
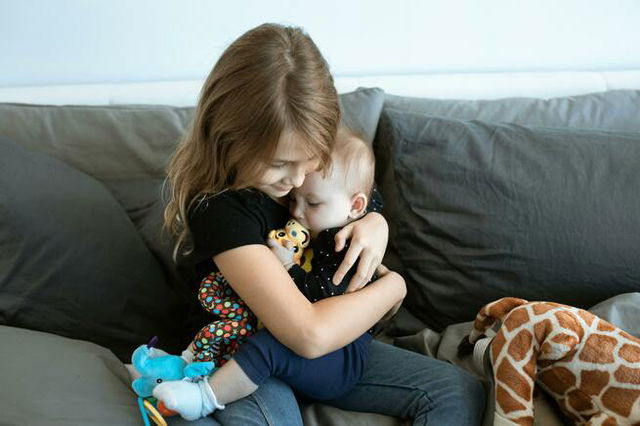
(396, 382)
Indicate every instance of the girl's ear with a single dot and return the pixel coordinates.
(358, 205)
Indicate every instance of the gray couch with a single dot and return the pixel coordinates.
(523, 197)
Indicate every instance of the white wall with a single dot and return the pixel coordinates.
(44, 42)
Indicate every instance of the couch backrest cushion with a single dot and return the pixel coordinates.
(133, 142)
(489, 210)
(612, 110)
(72, 262)
(106, 142)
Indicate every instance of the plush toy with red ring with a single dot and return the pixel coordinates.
(156, 366)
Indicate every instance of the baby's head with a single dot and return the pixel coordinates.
(340, 195)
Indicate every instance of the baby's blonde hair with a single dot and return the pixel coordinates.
(271, 79)
(355, 159)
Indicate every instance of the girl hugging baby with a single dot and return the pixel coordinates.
(263, 138)
(324, 204)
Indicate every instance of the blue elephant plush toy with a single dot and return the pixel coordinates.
(156, 366)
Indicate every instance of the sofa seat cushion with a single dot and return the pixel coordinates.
(72, 262)
(59, 381)
(490, 210)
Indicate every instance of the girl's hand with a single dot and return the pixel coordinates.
(283, 253)
(368, 237)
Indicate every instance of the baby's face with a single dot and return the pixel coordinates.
(321, 203)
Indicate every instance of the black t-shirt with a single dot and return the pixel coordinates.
(229, 220)
(234, 219)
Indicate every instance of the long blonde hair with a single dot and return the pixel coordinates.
(271, 79)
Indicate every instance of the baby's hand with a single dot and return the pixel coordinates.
(283, 253)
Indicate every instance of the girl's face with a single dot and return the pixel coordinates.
(288, 168)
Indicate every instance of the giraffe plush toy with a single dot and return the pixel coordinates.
(590, 367)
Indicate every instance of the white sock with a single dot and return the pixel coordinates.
(191, 400)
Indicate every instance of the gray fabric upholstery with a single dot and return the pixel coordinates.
(492, 210)
(72, 263)
(133, 142)
(361, 111)
(48, 380)
(612, 110)
(622, 311)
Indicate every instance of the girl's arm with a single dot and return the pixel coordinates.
(309, 329)
(368, 237)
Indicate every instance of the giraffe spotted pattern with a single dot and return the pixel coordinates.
(590, 367)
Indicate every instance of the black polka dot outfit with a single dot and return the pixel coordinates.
(317, 284)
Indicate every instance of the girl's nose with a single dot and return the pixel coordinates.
(298, 178)
(297, 212)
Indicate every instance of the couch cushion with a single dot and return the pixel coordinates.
(72, 262)
(106, 142)
(491, 210)
(611, 110)
(621, 311)
(125, 142)
(361, 111)
(90, 386)
(50, 380)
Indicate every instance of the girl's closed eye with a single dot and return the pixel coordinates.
(277, 165)
(310, 204)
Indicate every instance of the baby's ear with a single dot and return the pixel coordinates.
(359, 203)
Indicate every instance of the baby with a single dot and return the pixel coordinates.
(323, 204)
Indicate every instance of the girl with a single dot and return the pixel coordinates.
(323, 205)
(267, 116)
